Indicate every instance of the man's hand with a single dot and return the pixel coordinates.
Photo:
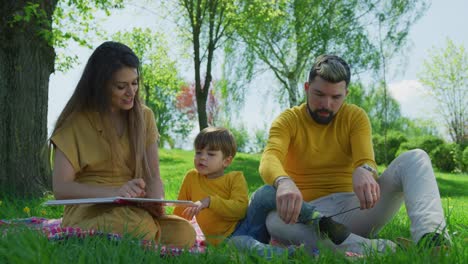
(288, 201)
(190, 212)
(366, 188)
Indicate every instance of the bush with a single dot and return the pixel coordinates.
(259, 141)
(394, 140)
(242, 138)
(446, 157)
(465, 159)
(426, 143)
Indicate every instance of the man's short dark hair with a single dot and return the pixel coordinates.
(330, 68)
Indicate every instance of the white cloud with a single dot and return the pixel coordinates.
(414, 101)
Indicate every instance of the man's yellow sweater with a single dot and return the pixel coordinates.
(319, 158)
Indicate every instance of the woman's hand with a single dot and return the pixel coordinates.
(190, 212)
(133, 188)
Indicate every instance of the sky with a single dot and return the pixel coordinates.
(444, 19)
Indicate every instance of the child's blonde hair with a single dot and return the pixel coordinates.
(216, 138)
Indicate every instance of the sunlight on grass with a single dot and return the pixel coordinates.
(27, 246)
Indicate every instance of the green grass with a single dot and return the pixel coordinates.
(26, 246)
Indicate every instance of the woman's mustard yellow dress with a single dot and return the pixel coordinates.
(82, 141)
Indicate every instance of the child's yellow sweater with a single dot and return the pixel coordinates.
(229, 202)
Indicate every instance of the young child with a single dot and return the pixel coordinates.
(222, 198)
(223, 210)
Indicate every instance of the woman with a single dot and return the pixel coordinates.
(105, 144)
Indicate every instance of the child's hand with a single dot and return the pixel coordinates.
(190, 212)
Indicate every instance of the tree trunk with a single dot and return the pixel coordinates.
(201, 109)
(26, 62)
(293, 92)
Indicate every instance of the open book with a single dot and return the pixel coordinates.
(120, 200)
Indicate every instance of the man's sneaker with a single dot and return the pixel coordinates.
(434, 242)
(431, 240)
(361, 245)
(335, 231)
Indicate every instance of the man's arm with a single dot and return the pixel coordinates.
(288, 196)
(288, 200)
(365, 185)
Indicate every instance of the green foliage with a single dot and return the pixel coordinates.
(160, 82)
(209, 24)
(234, 80)
(32, 15)
(384, 155)
(427, 143)
(76, 21)
(445, 76)
(420, 127)
(357, 95)
(373, 103)
(465, 159)
(27, 246)
(388, 117)
(446, 157)
(242, 137)
(383, 117)
(286, 35)
(31, 12)
(259, 141)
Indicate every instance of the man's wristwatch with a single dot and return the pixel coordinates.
(279, 179)
(371, 169)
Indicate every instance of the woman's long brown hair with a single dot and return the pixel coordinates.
(92, 94)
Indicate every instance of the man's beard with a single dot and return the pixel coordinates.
(321, 119)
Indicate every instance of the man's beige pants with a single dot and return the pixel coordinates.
(409, 178)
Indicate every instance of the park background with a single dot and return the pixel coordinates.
(395, 52)
(262, 98)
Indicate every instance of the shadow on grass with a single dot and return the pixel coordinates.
(452, 188)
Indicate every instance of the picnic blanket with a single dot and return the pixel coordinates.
(54, 231)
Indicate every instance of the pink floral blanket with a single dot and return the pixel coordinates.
(54, 231)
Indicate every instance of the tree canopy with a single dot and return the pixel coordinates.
(445, 76)
(160, 80)
(286, 35)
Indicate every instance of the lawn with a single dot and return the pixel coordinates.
(25, 246)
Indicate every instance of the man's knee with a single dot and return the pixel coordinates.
(273, 221)
(265, 191)
(264, 196)
(415, 154)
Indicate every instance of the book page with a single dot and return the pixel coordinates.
(120, 200)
